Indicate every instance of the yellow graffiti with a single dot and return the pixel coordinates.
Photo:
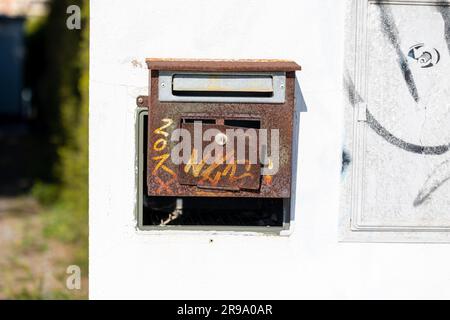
(206, 175)
(268, 180)
(160, 130)
(160, 145)
(207, 172)
(162, 159)
(192, 164)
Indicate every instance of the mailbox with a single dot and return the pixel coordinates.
(219, 130)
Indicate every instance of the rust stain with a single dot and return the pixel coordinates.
(242, 65)
(136, 63)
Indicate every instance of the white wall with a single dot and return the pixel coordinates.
(310, 263)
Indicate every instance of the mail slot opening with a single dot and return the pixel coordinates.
(213, 85)
(223, 94)
(239, 123)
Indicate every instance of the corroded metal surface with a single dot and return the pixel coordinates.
(168, 179)
(223, 65)
(227, 176)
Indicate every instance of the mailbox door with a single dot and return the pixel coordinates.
(220, 167)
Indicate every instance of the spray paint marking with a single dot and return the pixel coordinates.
(445, 13)
(160, 145)
(164, 186)
(389, 137)
(354, 98)
(439, 176)
(205, 172)
(392, 34)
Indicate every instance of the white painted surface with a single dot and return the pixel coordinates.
(392, 184)
(308, 264)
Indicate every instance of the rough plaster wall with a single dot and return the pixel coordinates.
(310, 263)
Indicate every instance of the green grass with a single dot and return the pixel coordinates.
(36, 294)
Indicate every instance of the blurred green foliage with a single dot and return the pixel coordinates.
(57, 72)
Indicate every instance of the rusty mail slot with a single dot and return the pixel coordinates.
(220, 128)
(222, 83)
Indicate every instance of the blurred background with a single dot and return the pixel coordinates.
(43, 149)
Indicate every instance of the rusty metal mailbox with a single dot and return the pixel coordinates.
(219, 129)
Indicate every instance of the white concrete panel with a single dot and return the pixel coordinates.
(397, 135)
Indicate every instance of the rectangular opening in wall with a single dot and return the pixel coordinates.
(270, 215)
(194, 211)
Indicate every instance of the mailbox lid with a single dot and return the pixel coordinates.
(218, 65)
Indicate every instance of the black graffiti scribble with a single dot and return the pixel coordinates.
(392, 34)
(439, 176)
(346, 160)
(415, 148)
(355, 98)
(353, 95)
(445, 13)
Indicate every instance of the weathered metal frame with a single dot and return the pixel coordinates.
(141, 112)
